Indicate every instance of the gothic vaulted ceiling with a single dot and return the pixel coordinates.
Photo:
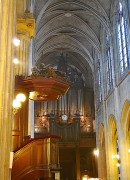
(71, 27)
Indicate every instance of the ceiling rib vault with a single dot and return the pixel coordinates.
(72, 27)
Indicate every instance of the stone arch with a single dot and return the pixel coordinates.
(112, 140)
(102, 172)
(125, 140)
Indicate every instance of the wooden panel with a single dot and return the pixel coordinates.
(16, 141)
(25, 159)
(33, 161)
(20, 125)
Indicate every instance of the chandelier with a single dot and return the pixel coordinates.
(43, 84)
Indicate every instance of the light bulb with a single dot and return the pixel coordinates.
(16, 61)
(118, 165)
(84, 178)
(96, 152)
(117, 156)
(16, 104)
(21, 97)
(16, 41)
(113, 156)
(36, 129)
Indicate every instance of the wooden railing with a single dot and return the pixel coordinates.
(36, 159)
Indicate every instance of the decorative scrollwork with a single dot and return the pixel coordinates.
(48, 72)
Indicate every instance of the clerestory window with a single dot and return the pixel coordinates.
(122, 40)
(99, 84)
(109, 73)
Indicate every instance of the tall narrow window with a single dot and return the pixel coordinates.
(109, 76)
(122, 40)
(98, 79)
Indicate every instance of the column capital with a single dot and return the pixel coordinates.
(26, 27)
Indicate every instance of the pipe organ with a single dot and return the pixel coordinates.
(77, 105)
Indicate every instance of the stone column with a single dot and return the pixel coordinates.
(7, 30)
(25, 32)
(27, 5)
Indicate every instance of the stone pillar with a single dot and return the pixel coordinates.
(25, 32)
(27, 5)
(31, 103)
(7, 30)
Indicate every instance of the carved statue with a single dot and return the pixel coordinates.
(35, 72)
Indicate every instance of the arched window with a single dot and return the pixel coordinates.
(109, 73)
(122, 28)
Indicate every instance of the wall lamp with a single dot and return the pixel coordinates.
(17, 102)
(96, 152)
(16, 41)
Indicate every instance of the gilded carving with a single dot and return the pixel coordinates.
(26, 26)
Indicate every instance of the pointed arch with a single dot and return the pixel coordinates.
(125, 140)
(112, 148)
(102, 172)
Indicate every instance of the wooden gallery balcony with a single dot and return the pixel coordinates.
(37, 159)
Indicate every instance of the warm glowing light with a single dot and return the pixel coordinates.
(84, 178)
(36, 129)
(113, 156)
(128, 150)
(21, 97)
(118, 165)
(96, 152)
(16, 41)
(116, 156)
(16, 104)
(16, 61)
